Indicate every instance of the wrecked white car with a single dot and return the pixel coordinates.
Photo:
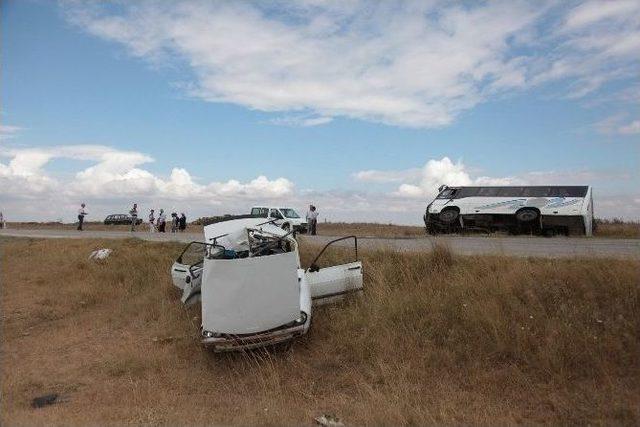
(252, 289)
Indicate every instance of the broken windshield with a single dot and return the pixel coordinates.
(289, 213)
(448, 193)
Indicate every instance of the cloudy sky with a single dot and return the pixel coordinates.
(363, 108)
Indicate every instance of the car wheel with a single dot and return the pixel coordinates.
(449, 215)
(527, 215)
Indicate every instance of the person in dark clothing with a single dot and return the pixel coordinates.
(162, 221)
(183, 221)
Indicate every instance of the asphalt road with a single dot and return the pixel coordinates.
(468, 245)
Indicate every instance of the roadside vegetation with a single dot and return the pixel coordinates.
(434, 339)
(617, 228)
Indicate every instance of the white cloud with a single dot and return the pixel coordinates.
(618, 124)
(114, 176)
(443, 172)
(8, 131)
(416, 64)
(595, 11)
(597, 43)
(301, 121)
(386, 176)
(632, 128)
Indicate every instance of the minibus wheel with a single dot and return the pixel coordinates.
(448, 215)
(527, 215)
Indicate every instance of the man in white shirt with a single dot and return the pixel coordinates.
(81, 213)
(312, 219)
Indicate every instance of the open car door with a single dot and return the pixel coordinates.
(329, 284)
(186, 272)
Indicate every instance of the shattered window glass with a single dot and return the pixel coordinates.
(193, 254)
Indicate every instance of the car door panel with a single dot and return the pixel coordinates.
(330, 284)
(189, 279)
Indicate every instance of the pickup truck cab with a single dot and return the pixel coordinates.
(285, 218)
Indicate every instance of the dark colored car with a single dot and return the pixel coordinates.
(120, 219)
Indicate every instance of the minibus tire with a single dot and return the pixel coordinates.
(527, 215)
(448, 215)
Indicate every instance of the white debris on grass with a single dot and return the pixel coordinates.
(329, 420)
(100, 254)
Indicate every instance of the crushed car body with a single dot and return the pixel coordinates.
(252, 289)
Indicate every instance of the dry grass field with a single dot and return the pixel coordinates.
(617, 228)
(435, 339)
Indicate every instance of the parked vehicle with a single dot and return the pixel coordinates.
(252, 289)
(120, 219)
(545, 210)
(286, 218)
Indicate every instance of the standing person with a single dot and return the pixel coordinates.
(134, 216)
(2, 221)
(81, 213)
(174, 222)
(152, 220)
(183, 222)
(162, 220)
(312, 219)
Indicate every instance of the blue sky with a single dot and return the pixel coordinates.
(362, 109)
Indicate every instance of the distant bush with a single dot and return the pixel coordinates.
(207, 220)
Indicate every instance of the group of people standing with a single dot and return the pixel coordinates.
(178, 223)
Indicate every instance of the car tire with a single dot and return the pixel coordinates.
(448, 215)
(527, 215)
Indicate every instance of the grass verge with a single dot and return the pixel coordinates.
(435, 339)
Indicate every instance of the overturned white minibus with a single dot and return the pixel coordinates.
(545, 210)
(252, 289)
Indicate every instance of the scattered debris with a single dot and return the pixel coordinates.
(100, 254)
(329, 420)
(47, 399)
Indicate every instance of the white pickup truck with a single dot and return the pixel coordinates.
(252, 288)
(286, 218)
